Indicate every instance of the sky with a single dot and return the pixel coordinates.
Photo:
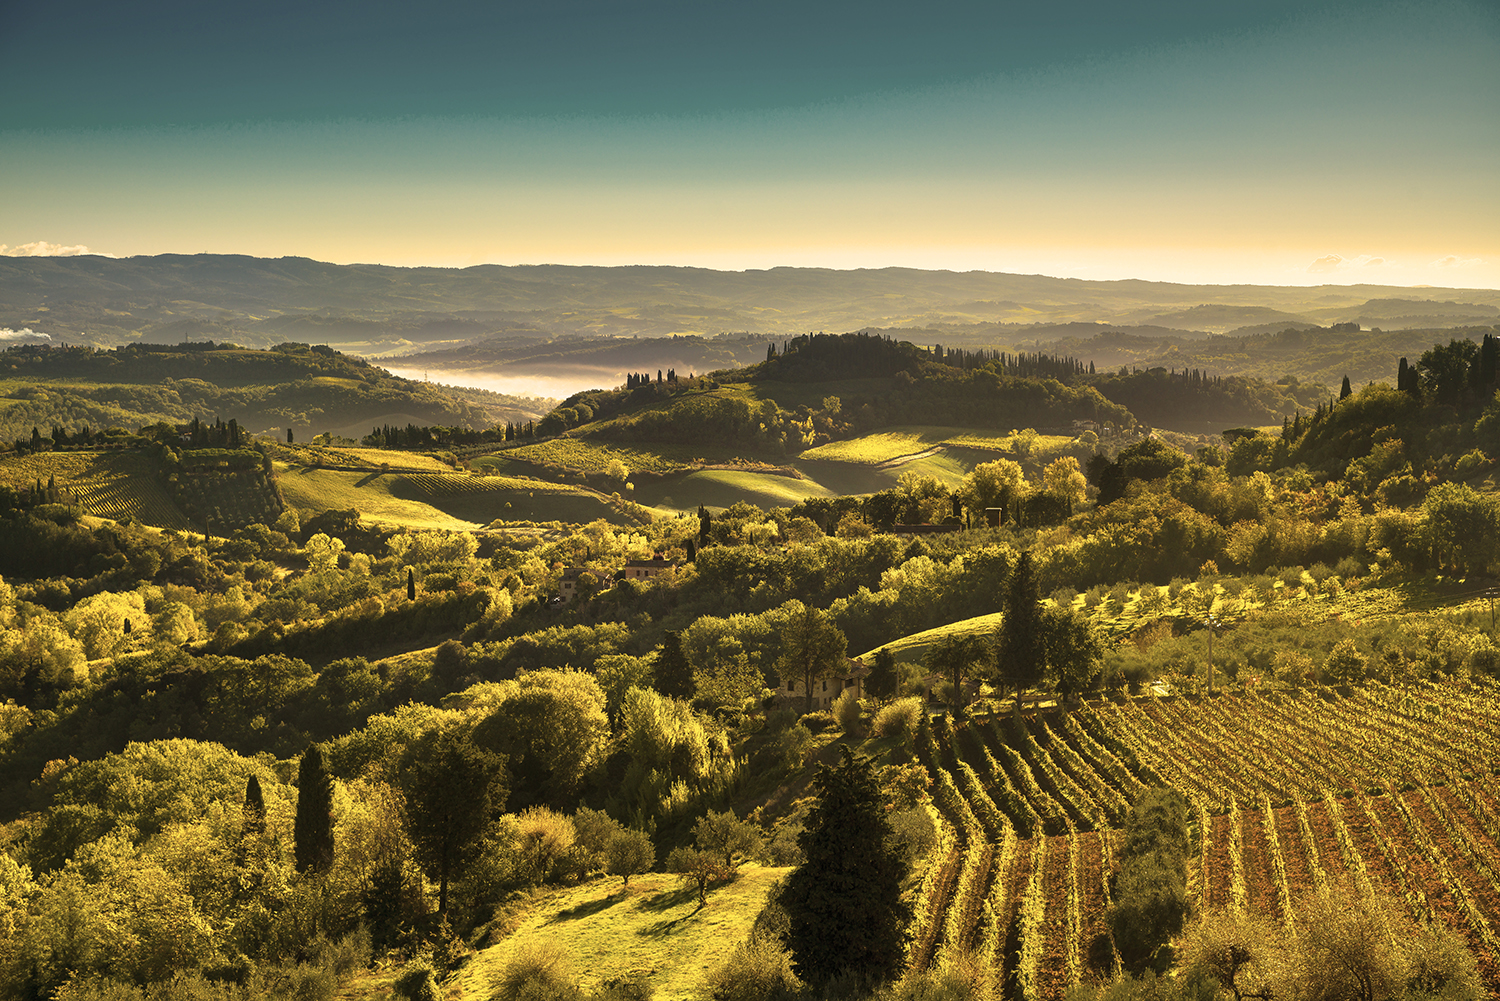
(1260, 142)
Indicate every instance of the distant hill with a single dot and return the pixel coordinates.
(380, 310)
(310, 389)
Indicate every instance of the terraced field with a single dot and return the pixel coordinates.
(116, 485)
(1392, 790)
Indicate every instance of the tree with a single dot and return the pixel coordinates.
(843, 903)
(628, 853)
(254, 810)
(1346, 391)
(955, 656)
(725, 835)
(705, 525)
(698, 868)
(289, 436)
(1345, 664)
(1021, 650)
(312, 829)
(1074, 651)
(883, 679)
(553, 731)
(811, 646)
(411, 584)
(1063, 478)
(454, 789)
(673, 673)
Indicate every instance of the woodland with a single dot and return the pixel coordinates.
(1065, 704)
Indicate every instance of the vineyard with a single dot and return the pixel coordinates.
(118, 485)
(1389, 790)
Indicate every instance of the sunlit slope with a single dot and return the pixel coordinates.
(913, 649)
(441, 500)
(118, 485)
(654, 927)
(719, 488)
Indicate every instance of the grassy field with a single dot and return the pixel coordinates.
(894, 443)
(913, 649)
(719, 488)
(653, 927)
(407, 460)
(117, 485)
(441, 500)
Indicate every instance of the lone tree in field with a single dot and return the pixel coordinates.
(1021, 650)
(454, 789)
(727, 836)
(844, 903)
(811, 646)
(312, 829)
(629, 853)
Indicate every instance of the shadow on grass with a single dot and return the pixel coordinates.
(586, 909)
(365, 480)
(669, 899)
(664, 928)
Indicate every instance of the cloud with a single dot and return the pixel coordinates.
(24, 334)
(1325, 264)
(42, 248)
(1457, 262)
(1375, 260)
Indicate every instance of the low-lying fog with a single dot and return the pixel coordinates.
(558, 387)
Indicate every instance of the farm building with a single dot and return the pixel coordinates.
(851, 675)
(567, 587)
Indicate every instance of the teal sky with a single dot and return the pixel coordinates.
(1271, 142)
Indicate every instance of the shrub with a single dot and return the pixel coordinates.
(794, 745)
(759, 969)
(536, 973)
(543, 838)
(817, 722)
(899, 718)
(848, 712)
(417, 983)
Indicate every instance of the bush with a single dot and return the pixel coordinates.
(817, 722)
(793, 746)
(543, 838)
(417, 982)
(759, 969)
(536, 973)
(848, 712)
(899, 718)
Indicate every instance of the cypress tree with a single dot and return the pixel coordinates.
(254, 810)
(312, 830)
(1345, 391)
(1021, 654)
(843, 903)
(411, 585)
(454, 789)
(881, 683)
(673, 674)
(705, 524)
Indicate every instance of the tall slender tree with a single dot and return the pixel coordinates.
(673, 674)
(844, 902)
(312, 828)
(1021, 650)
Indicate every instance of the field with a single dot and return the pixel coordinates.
(454, 501)
(1390, 790)
(913, 649)
(116, 485)
(719, 488)
(593, 457)
(653, 927)
(897, 443)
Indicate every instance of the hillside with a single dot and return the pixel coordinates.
(653, 928)
(308, 389)
(382, 310)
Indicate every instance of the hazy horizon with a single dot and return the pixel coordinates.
(1272, 143)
